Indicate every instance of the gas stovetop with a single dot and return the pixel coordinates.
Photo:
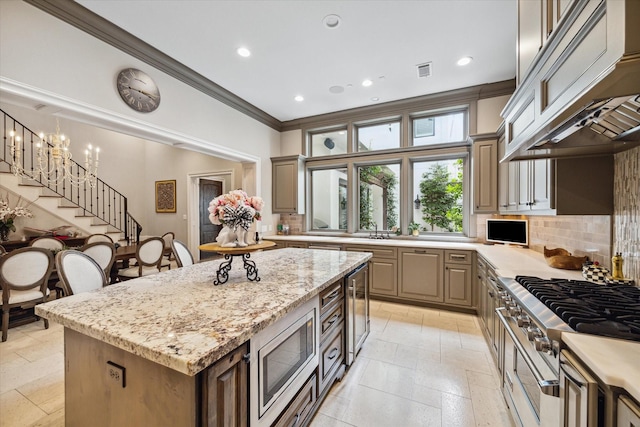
(587, 307)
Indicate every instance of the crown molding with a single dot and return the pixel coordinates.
(95, 25)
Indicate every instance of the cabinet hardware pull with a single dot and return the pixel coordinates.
(454, 256)
(420, 251)
(246, 357)
(333, 294)
(333, 319)
(333, 354)
(295, 422)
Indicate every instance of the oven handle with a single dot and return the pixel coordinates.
(548, 387)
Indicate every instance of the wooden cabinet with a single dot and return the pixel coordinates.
(421, 274)
(301, 407)
(288, 184)
(332, 328)
(573, 186)
(224, 391)
(301, 245)
(485, 173)
(383, 266)
(489, 295)
(530, 34)
(458, 289)
(628, 412)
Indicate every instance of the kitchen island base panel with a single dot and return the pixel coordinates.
(92, 394)
(425, 304)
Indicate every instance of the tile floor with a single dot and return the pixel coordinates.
(419, 367)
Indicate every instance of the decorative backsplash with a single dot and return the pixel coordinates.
(580, 235)
(626, 215)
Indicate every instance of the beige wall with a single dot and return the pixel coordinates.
(489, 113)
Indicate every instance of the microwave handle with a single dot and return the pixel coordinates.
(548, 387)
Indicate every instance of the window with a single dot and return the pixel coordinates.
(378, 196)
(378, 137)
(439, 129)
(438, 185)
(329, 143)
(329, 199)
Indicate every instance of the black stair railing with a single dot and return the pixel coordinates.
(101, 201)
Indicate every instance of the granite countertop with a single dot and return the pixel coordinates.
(508, 261)
(179, 319)
(613, 361)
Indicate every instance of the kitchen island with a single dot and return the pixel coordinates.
(137, 353)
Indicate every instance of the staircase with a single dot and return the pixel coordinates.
(89, 209)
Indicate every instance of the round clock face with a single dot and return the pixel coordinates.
(138, 91)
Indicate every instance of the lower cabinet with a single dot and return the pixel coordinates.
(421, 274)
(457, 285)
(301, 406)
(384, 277)
(628, 412)
(224, 392)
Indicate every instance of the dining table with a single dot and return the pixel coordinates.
(126, 252)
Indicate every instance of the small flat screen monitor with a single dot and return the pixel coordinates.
(509, 231)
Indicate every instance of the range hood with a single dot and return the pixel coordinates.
(593, 108)
(608, 125)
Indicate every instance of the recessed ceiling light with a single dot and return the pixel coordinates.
(331, 21)
(244, 52)
(465, 60)
(299, 98)
(375, 99)
(336, 89)
(367, 83)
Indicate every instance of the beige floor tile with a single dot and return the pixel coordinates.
(52, 420)
(12, 377)
(408, 356)
(377, 349)
(427, 396)
(46, 392)
(373, 408)
(489, 407)
(389, 378)
(322, 420)
(18, 411)
(457, 411)
(446, 378)
(480, 379)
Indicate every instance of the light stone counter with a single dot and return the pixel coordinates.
(180, 320)
(508, 261)
(614, 361)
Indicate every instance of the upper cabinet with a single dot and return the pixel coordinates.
(485, 173)
(571, 57)
(537, 20)
(288, 184)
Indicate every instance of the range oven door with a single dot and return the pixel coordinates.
(530, 386)
(283, 357)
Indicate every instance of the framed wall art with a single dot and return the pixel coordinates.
(166, 196)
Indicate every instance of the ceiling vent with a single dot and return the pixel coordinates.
(424, 70)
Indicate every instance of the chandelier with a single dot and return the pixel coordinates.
(52, 164)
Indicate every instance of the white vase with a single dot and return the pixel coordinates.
(227, 237)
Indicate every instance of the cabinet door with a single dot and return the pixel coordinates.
(384, 277)
(514, 186)
(485, 176)
(628, 412)
(530, 34)
(524, 185)
(457, 285)
(541, 184)
(224, 393)
(288, 185)
(421, 275)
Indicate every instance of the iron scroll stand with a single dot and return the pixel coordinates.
(222, 274)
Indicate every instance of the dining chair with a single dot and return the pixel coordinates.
(79, 272)
(103, 253)
(24, 274)
(47, 242)
(148, 258)
(168, 251)
(98, 237)
(182, 253)
(2, 250)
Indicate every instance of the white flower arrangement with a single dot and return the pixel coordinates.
(9, 214)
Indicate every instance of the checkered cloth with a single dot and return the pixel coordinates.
(595, 273)
(612, 281)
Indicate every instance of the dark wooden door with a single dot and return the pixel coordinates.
(209, 190)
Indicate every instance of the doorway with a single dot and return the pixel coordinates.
(208, 190)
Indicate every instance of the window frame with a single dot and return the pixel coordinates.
(377, 122)
(436, 113)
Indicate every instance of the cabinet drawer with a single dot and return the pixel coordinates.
(331, 356)
(377, 251)
(329, 296)
(300, 407)
(457, 257)
(300, 245)
(330, 320)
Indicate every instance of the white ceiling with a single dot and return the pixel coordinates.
(293, 53)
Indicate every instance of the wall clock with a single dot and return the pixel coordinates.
(138, 90)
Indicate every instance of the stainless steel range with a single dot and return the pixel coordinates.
(534, 313)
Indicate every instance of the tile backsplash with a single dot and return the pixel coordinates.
(580, 235)
(626, 215)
